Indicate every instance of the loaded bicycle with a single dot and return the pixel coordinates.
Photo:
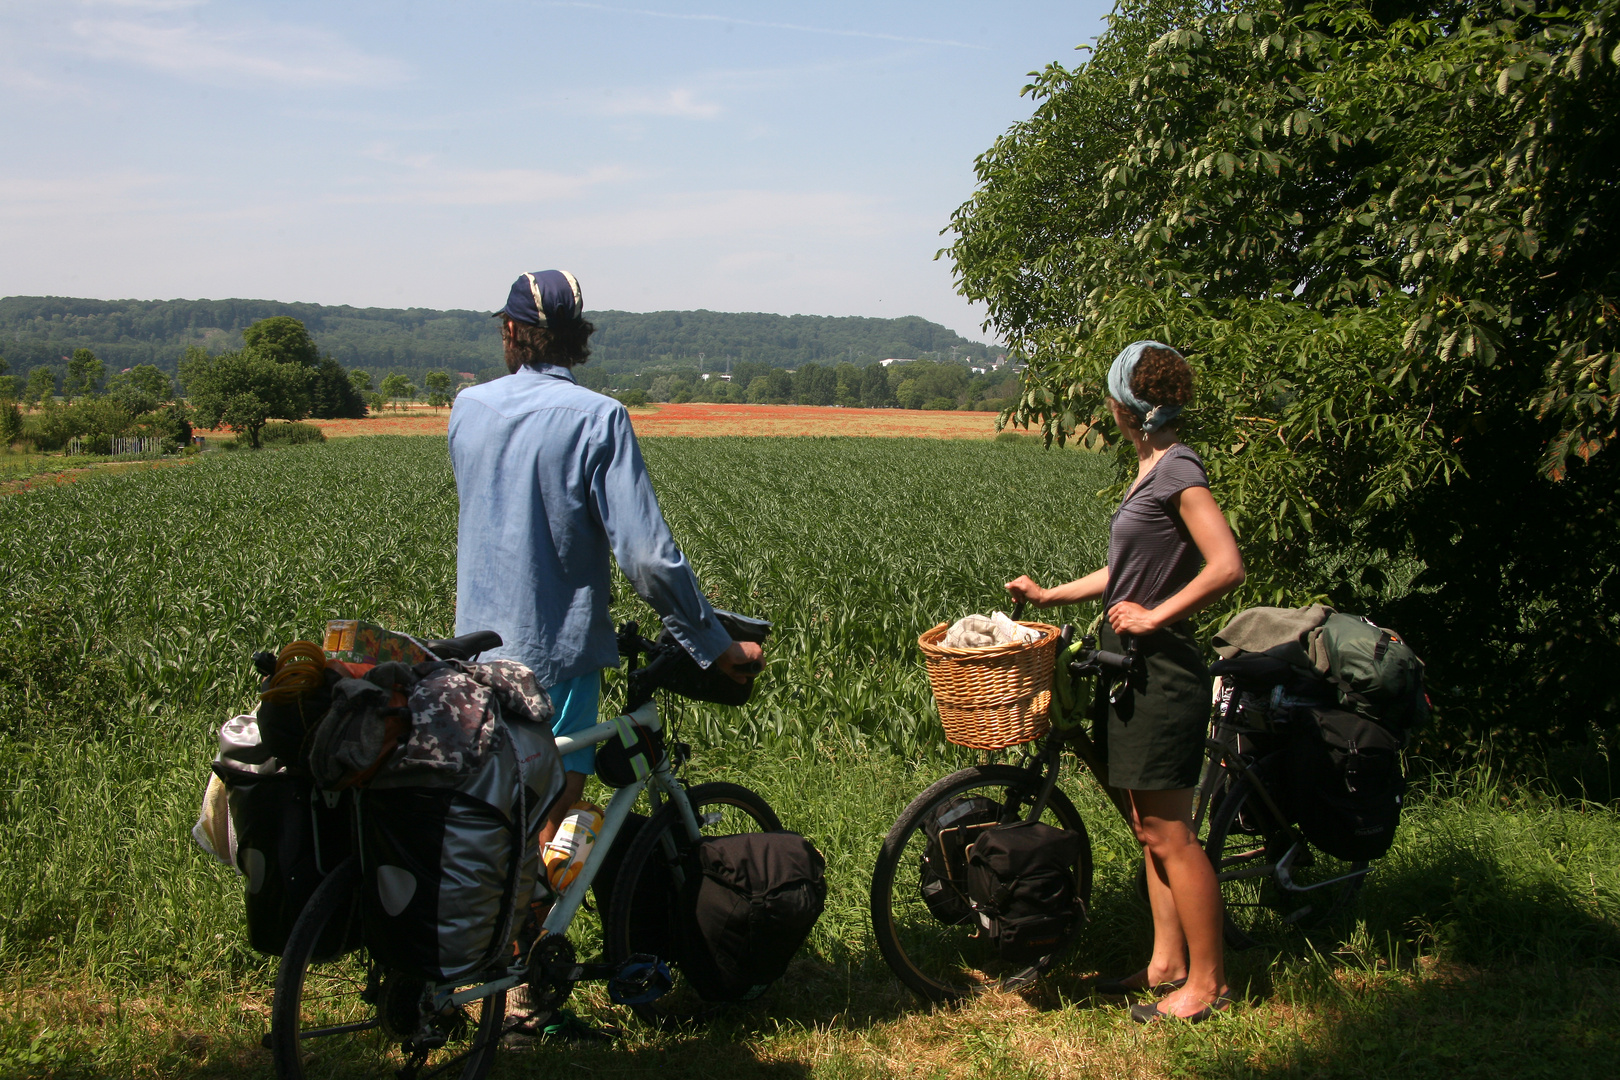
(935, 933)
(339, 1009)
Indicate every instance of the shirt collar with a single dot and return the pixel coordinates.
(555, 371)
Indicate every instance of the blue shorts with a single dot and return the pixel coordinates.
(576, 702)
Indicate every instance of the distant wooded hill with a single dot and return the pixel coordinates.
(44, 330)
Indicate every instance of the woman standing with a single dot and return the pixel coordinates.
(1170, 554)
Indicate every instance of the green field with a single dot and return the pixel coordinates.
(1488, 943)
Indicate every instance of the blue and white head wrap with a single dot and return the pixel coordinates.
(543, 297)
(1153, 416)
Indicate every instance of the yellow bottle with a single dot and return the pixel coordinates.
(564, 856)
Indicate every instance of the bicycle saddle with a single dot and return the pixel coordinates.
(464, 647)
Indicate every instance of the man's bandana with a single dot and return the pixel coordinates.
(543, 298)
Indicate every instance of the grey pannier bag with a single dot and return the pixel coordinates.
(448, 825)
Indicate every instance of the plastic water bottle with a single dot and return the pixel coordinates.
(566, 853)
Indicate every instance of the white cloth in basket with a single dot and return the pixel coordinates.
(981, 632)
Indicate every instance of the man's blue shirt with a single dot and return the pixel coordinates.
(551, 481)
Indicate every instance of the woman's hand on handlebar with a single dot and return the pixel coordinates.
(1024, 588)
(1089, 587)
(742, 661)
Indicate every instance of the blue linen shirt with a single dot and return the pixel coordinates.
(551, 481)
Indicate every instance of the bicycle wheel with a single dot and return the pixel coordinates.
(643, 889)
(343, 1015)
(943, 960)
(1248, 847)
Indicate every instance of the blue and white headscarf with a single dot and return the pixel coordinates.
(1153, 416)
(545, 297)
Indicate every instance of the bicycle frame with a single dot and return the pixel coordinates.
(663, 783)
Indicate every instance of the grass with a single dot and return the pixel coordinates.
(1488, 942)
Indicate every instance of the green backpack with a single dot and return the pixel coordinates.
(1376, 673)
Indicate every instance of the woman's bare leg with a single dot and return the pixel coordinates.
(1163, 823)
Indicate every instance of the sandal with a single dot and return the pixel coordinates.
(1149, 1013)
(1119, 987)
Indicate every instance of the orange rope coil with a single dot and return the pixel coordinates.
(300, 668)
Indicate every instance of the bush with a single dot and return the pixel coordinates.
(291, 434)
(633, 399)
(54, 683)
(11, 426)
(940, 404)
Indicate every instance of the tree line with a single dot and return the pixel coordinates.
(44, 331)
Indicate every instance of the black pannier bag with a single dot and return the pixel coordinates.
(1021, 881)
(951, 830)
(747, 905)
(448, 825)
(288, 838)
(1345, 783)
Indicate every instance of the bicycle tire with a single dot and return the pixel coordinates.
(1256, 908)
(344, 994)
(710, 802)
(944, 963)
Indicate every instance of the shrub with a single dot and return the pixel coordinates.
(11, 426)
(291, 434)
(633, 399)
(52, 682)
(939, 404)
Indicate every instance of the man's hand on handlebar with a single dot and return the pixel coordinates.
(742, 661)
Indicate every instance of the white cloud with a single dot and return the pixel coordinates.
(745, 219)
(424, 183)
(678, 102)
(34, 198)
(689, 16)
(282, 55)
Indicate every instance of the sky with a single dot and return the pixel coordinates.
(789, 158)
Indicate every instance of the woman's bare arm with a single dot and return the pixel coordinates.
(1223, 568)
(1089, 587)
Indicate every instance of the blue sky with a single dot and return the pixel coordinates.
(795, 158)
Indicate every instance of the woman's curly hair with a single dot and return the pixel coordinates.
(566, 343)
(1162, 377)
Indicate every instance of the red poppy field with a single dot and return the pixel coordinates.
(707, 419)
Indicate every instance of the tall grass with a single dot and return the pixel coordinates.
(121, 948)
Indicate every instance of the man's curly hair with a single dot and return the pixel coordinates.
(566, 343)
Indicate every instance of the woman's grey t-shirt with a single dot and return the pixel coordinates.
(1150, 553)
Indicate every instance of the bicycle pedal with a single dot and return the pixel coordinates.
(641, 979)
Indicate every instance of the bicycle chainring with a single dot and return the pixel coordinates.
(549, 967)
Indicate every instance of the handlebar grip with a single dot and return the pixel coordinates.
(1117, 661)
(1018, 610)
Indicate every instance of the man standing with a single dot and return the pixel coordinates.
(551, 482)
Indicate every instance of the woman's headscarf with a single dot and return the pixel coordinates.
(1153, 416)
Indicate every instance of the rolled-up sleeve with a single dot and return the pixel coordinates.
(623, 500)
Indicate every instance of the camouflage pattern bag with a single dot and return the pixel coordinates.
(450, 815)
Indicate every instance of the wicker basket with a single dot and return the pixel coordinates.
(995, 697)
